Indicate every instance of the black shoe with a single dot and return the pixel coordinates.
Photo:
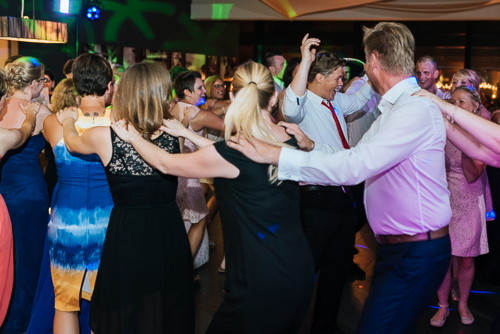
(357, 273)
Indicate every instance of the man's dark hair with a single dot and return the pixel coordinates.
(290, 67)
(269, 58)
(91, 74)
(67, 69)
(325, 63)
(11, 59)
(185, 81)
(176, 71)
(50, 74)
(356, 67)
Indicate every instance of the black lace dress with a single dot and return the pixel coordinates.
(145, 279)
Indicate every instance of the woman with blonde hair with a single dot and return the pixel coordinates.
(466, 77)
(24, 189)
(63, 96)
(216, 89)
(466, 181)
(10, 139)
(270, 269)
(144, 282)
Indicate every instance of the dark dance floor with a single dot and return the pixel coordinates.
(484, 302)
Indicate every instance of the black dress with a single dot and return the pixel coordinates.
(269, 265)
(145, 279)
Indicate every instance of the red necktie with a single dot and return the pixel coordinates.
(341, 134)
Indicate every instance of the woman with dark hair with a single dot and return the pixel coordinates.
(190, 90)
(49, 85)
(10, 139)
(291, 70)
(24, 189)
(144, 282)
(81, 204)
(270, 269)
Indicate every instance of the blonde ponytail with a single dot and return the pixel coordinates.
(253, 87)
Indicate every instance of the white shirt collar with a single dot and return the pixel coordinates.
(393, 94)
(314, 98)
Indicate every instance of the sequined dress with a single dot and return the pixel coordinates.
(145, 279)
(469, 202)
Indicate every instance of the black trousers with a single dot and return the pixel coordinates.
(329, 223)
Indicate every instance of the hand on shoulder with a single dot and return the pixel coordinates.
(67, 114)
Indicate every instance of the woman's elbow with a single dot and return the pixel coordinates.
(162, 167)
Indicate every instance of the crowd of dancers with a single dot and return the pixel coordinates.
(128, 217)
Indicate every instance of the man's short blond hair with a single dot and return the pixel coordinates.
(394, 46)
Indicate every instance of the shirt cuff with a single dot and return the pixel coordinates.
(320, 147)
(367, 90)
(293, 97)
(289, 164)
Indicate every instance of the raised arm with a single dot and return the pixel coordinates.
(13, 138)
(204, 163)
(486, 133)
(175, 128)
(295, 93)
(349, 103)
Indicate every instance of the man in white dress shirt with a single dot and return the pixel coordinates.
(401, 157)
(327, 212)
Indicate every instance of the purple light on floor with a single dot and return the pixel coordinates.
(361, 246)
(485, 292)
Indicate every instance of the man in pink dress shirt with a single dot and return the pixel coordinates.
(401, 157)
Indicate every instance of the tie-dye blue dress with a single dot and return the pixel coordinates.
(77, 227)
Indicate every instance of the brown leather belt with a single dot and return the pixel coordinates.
(403, 238)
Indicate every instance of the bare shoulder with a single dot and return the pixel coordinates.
(50, 121)
(44, 112)
(99, 133)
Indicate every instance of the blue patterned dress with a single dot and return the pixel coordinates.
(77, 226)
(81, 206)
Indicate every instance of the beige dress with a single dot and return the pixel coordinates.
(469, 204)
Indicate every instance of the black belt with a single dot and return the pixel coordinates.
(311, 187)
